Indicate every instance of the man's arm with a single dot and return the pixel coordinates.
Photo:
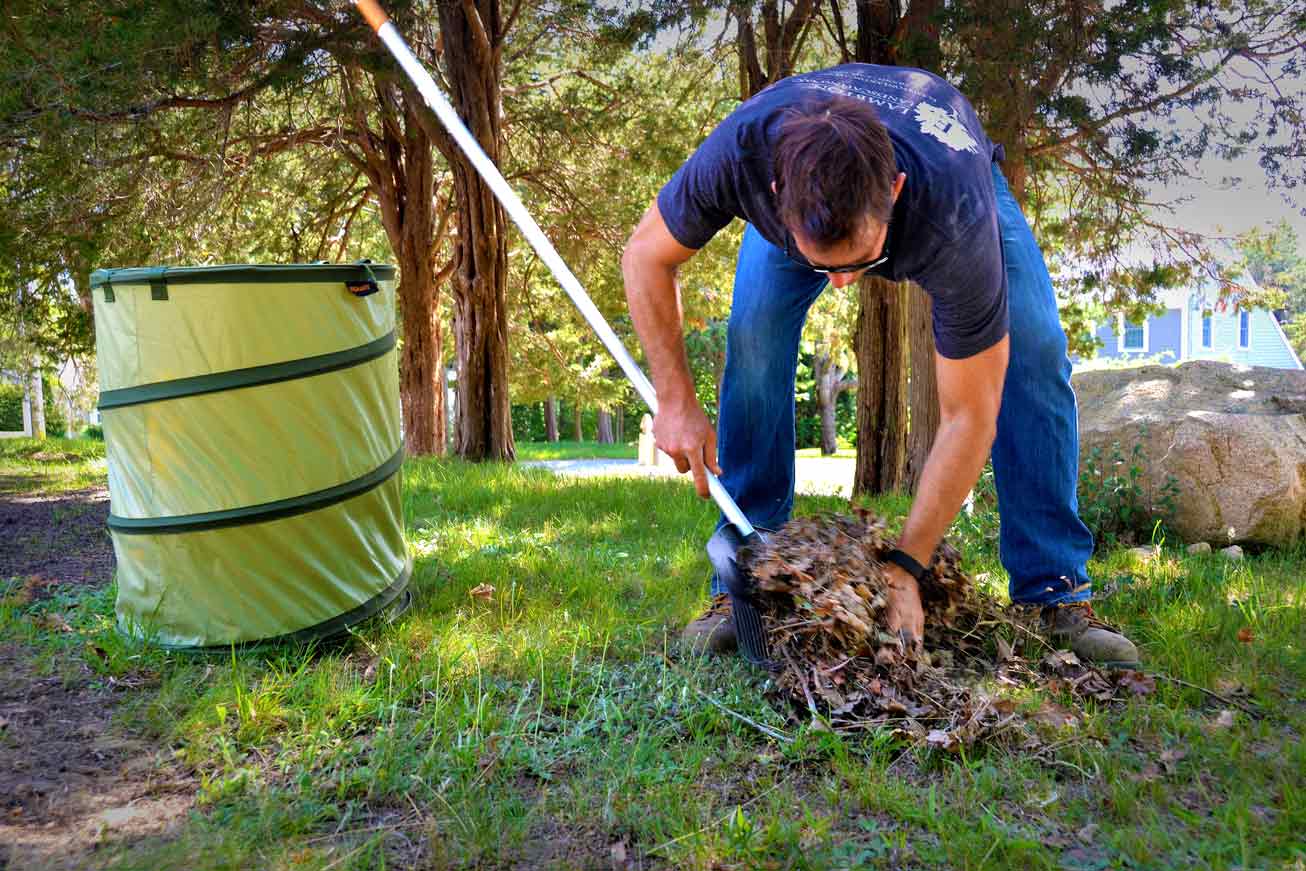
(681, 428)
(970, 394)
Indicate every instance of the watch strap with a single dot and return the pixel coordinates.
(906, 562)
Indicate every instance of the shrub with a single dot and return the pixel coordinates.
(11, 408)
(1112, 499)
(95, 432)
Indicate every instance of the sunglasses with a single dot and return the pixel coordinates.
(791, 251)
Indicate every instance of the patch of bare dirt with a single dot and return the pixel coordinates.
(71, 785)
(56, 540)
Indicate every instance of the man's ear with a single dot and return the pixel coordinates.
(897, 185)
(773, 187)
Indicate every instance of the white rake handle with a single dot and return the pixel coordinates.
(435, 99)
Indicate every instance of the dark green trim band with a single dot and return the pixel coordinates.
(323, 631)
(251, 377)
(277, 510)
(246, 274)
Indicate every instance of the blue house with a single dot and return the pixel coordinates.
(1194, 327)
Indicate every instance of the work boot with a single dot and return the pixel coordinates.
(1074, 624)
(714, 632)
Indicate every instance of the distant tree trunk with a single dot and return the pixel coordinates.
(923, 388)
(37, 393)
(830, 383)
(621, 424)
(577, 429)
(604, 434)
(472, 33)
(882, 346)
(551, 419)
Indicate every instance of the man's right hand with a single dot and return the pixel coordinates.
(682, 431)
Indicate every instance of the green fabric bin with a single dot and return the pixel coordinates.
(252, 428)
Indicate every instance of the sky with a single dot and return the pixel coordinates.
(1218, 205)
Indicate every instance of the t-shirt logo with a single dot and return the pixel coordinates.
(945, 126)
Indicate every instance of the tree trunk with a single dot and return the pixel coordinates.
(923, 388)
(894, 333)
(577, 429)
(472, 35)
(37, 393)
(421, 377)
(830, 383)
(551, 419)
(621, 424)
(881, 344)
(604, 434)
(400, 167)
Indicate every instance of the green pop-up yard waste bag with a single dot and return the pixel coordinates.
(251, 422)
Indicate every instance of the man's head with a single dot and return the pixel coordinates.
(835, 181)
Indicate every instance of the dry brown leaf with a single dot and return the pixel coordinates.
(942, 740)
(1170, 757)
(1137, 683)
(1245, 635)
(1052, 714)
(1232, 688)
(484, 592)
(53, 621)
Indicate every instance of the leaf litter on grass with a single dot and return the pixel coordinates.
(822, 594)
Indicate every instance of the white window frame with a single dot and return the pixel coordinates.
(1244, 313)
(1120, 331)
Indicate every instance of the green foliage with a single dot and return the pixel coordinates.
(1275, 258)
(11, 408)
(95, 432)
(1114, 502)
(56, 422)
(528, 423)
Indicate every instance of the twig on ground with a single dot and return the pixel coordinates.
(1254, 713)
(761, 727)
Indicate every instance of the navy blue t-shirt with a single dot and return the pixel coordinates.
(944, 230)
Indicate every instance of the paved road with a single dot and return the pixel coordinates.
(816, 475)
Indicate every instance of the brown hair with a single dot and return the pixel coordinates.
(834, 167)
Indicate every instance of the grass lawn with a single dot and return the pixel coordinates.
(546, 726)
(29, 465)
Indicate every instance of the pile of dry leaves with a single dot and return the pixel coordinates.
(822, 598)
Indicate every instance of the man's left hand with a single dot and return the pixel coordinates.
(904, 612)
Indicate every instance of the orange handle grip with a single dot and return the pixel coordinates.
(372, 13)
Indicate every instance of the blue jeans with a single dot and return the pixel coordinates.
(1043, 543)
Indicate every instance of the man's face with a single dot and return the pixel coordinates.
(862, 248)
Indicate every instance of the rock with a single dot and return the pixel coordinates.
(1232, 552)
(1199, 548)
(1233, 437)
(1142, 554)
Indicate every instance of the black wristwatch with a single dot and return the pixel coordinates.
(906, 562)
